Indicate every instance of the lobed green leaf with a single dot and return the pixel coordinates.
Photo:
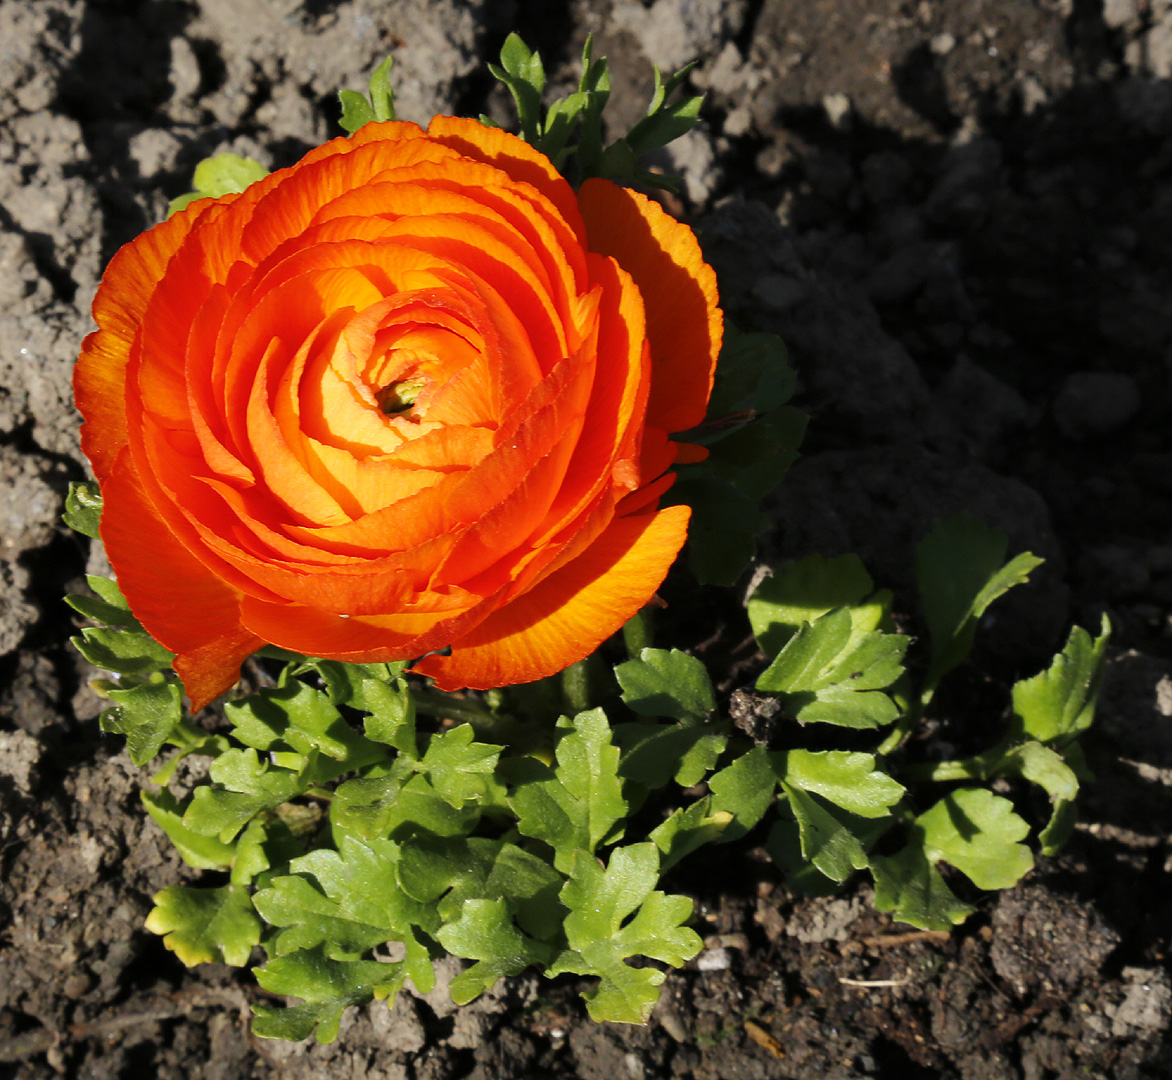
(972, 829)
(615, 913)
(147, 714)
(575, 807)
(327, 986)
(1059, 703)
(206, 926)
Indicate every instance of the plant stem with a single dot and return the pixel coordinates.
(576, 687)
(637, 633)
(978, 767)
(440, 705)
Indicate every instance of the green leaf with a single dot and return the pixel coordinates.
(344, 682)
(83, 508)
(485, 932)
(522, 72)
(671, 684)
(662, 683)
(223, 174)
(722, 536)
(1043, 766)
(328, 988)
(755, 457)
(827, 839)
(971, 829)
(109, 606)
(615, 913)
(909, 886)
(147, 715)
(802, 591)
(447, 871)
(297, 718)
(248, 786)
(744, 789)
(977, 832)
(127, 652)
(665, 121)
(655, 753)
(206, 926)
(574, 806)
(358, 109)
(849, 780)
(785, 846)
(1060, 703)
(458, 766)
(399, 807)
(830, 670)
(960, 572)
(201, 852)
(688, 829)
(357, 903)
(250, 859)
(382, 94)
(754, 374)
(392, 715)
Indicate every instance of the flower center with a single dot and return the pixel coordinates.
(397, 398)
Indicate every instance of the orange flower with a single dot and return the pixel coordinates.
(414, 392)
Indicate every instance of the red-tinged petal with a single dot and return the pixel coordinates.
(570, 613)
(183, 605)
(361, 640)
(684, 323)
(690, 453)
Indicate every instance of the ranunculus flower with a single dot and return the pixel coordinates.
(412, 393)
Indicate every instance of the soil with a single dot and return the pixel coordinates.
(957, 213)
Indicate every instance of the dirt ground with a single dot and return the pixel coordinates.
(957, 213)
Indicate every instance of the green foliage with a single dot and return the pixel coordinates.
(358, 109)
(834, 669)
(959, 572)
(971, 829)
(570, 133)
(574, 806)
(83, 508)
(833, 660)
(752, 438)
(223, 174)
(616, 913)
(205, 926)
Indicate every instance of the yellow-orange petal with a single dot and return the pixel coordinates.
(511, 155)
(684, 323)
(570, 613)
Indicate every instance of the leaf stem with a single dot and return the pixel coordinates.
(440, 705)
(576, 687)
(981, 767)
(637, 633)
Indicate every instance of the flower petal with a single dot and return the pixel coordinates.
(571, 612)
(183, 605)
(684, 323)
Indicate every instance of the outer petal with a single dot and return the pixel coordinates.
(512, 155)
(182, 603)
(571, 612)
(684, 323)
(99, 380)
